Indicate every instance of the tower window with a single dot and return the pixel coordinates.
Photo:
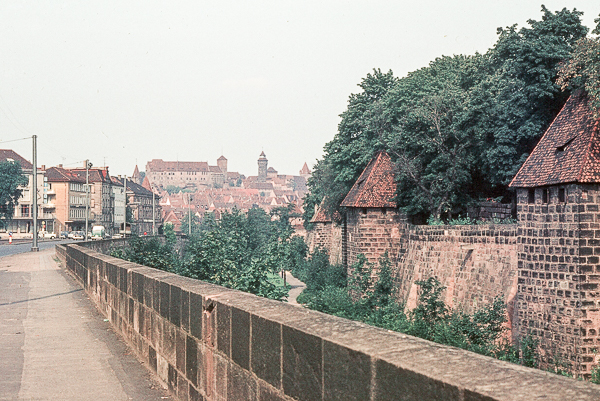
(561, 195)
(545, 195)
(531, 196)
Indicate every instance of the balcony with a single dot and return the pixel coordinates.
(49, 205)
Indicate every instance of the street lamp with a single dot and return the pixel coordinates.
(88, 166)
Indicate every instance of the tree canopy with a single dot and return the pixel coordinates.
(460, 128)
(11, 177)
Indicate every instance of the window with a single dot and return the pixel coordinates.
(531, 196)
(545, 195)
(561, 195)
(24, 210)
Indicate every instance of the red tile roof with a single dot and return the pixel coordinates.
(569, 151)
(158, 165)
(375, 187)
(6, 154)
(59, 174)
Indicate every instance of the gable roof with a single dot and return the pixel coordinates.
(569, 151)
(59, 174)
(375, 187)
(6, 154)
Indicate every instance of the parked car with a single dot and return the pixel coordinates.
(64, 234)
(78, 235)
(71, 233)
(46, 234)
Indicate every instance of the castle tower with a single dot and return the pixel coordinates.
(222, 164)
(262, 167)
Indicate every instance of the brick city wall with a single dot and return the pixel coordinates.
(372, 232)
(476, 263)
(559, 272)
(490, 210)
(211, 343)
(327, 236)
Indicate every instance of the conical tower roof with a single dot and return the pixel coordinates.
(568, 152)
(375, 187)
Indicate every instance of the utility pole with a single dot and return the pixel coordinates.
(125, 207)
(34, 245)
(153, 211)
(88, 165)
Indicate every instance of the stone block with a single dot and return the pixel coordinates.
(180, 345)
(346, 373)
(266, 350)
(302, 358)
(240, 384)
(196, 315)
(223, 328)
(191, 360)
(164, 295)
(175, 305)
(240, 337)
(185, 311)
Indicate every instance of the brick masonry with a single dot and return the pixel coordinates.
(207, 342)
(559, 272)
(476, 263)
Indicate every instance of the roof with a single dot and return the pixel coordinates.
(146, 184)
(157, 165)
(59, 174)
(375, 187)
(271, 170)
(262, 155)
(222, 158)
(569, 150)
(9, 154)
(305, 169)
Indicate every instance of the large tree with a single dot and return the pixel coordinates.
(457, 129)
(582, 70)
(11, 178)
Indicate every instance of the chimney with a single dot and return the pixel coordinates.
(60, 166)
(43, 167)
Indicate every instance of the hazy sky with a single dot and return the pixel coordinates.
(123, 82)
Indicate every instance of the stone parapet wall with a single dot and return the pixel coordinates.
(476, 263)
(211, 343)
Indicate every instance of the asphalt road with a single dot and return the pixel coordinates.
(25, 246)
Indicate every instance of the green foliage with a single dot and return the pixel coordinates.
(582, 70)
(244, 252)
(595, 375)
(195, 223)
(149, 252)
(458, 129)
(11, 177)
(239, 252)
(369, 298)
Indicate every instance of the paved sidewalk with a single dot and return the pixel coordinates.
(54, 344)
(297, 287)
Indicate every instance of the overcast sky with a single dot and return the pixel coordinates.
(123, 82)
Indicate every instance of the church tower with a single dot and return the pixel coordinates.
(262, 167)
(222, 164)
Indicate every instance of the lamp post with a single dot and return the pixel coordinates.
(34, 245)
(88, 166)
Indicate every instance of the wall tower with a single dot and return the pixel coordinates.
(262, 167)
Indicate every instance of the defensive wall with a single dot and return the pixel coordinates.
(207, 342)
(476, 263)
